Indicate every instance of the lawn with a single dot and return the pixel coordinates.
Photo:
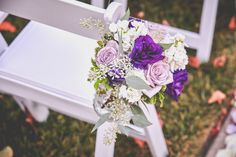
(187, 124)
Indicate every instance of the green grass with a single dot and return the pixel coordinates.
(186, 123)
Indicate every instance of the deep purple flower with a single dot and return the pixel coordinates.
(115, 76)
(175, 88)
(145, 51)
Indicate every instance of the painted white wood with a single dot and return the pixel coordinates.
(154, 135)
(202, 40)
(2, 16)
(43, 65)
(3, 43)
(207, 27)
(38, 111)
(101, 149)
(124, 4)
(98, 3)
(52, 12)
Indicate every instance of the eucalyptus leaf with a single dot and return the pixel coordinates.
(137, 83)
(102, 120)
(136, 110)
(127, 130)
(166, 46)
(120, 43)
(139, 118)
(127, 15)
(140, 121)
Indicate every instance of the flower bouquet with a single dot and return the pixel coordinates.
(136, 63)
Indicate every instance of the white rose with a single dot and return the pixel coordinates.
(133, 95)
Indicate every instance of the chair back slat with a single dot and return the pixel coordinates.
(62, 14)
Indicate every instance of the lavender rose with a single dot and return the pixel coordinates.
(107, 54)
(159, 74)
(145, 51)
(176, 88)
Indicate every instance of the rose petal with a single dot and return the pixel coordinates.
(231, 129)
(194, 62)
(232, 23)
(165, 22)
(219, 61)
(7, 26)
(139, 142)
(217, 96)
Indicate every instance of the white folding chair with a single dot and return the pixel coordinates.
(46, 66)
(202, 40)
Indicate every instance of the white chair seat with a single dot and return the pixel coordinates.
(53, 60)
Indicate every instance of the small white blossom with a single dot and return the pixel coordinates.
(123, 25)
(177, 57)
(131, 94)
(110, 134)
(113, 27)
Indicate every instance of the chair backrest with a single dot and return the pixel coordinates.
(62, 14)
(3, 43)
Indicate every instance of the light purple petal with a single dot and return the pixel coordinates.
(233, 116)
(231, 129)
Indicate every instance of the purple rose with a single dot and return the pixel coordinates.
(159, 74)
(107, 54)
(176, 88)
(115, 76)
(145, 51)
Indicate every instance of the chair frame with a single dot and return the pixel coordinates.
(73, 107)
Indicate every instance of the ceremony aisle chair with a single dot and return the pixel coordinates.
(202, 40)
(47, 65)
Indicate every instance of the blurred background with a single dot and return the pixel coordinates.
(190, 125)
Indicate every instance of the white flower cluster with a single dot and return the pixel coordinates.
(131, 94)
(120, 112)
(128, 31)
(176, 55)
(110, 134)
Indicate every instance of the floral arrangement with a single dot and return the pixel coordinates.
(136, 63)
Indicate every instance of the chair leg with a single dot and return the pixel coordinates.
(102, 150)
(38, 111)
(154, 135)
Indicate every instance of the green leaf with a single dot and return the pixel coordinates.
(136, 109)
(94, 63)
(102, 120)
(100, 43)
(161, 98)
(137, 83)
(127, 15)
(153, 100)
(166, 46)
(127, 130)
(163, 89)
(139, 119)
(97, 49)
(104, 82)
